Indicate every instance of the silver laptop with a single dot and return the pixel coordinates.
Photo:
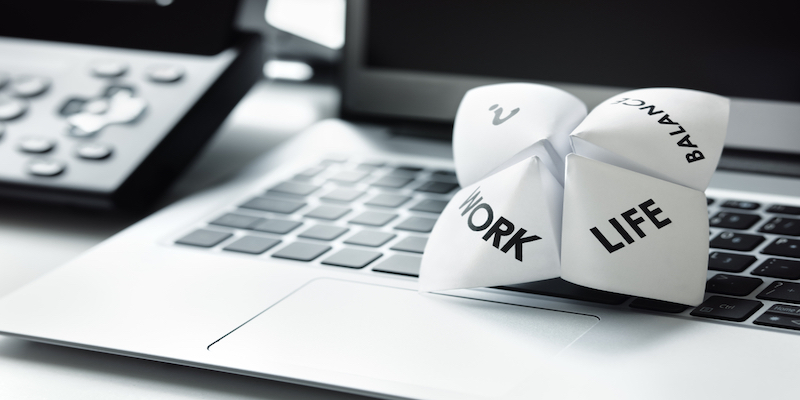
(303, 268)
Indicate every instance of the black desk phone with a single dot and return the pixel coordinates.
(106, 111)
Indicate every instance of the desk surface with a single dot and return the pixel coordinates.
(35, 239)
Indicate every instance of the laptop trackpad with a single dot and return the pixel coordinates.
(399, 335)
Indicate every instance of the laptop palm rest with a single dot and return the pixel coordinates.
(398, 335)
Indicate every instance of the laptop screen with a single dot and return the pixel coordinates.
(730, 49)
(414, 60)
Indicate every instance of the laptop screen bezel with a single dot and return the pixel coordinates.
(417, 95)
(385, 94)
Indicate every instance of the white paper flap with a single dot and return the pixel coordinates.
(672, 134)
(496, 122)
(630, 233)
(502, 230)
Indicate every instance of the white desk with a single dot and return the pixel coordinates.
(35, 239)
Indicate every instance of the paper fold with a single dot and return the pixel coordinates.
(672, 134)
(634, 234)
(504, 229)
(497, 126)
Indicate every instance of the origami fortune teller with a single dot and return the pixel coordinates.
(611, 200)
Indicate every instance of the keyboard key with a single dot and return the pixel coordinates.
(343, 195)
(323, 232)
(733, 220)
(370, 238)
(328, 212)
(237, 221)
(310, 173)
(373, 218)
(779, 209)
(406, 170)
(778, 321)
(295, 188)
(349, 177)
(736, 241)
(301, 251)
(781, 291)
(416, 224)
(352, 258)
(111, 90)
(400, 264)
(29, 86)
(273, 205)
(782, 226)
(334, 159)
(783, 247)
(392, 182)
(729, 262)
(388, 200)
(46, 167)
(371, 165)
(657, 305)
(558, 287)
(437, 187)
(72, 106)
(279, 226)
(252, 245)
(430, 205)
(109, 68)
(777, 268)
(444, 176)
(732, 285)
(165, 73)
(204, 238)
(727, 308)
(414, 244)
(785, 309)
(11, 108)
(742, 205)
(94, 151)
(781, 316)
(37, 145)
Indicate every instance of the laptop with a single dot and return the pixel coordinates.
(303, 267)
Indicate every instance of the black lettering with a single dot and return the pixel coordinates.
(694, 156)
(621, 230)
(517, 241)
(685, 142)
(680, 130)
(498, 231)
(641, 103)
(620, 100)
(651, 110)
(652, 214)
(489, 217)
(665, 120)
(609, 247)
(471, 200)
(634, 223)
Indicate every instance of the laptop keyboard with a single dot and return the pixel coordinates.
(375, 217)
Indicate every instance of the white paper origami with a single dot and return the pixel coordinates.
(634, 211)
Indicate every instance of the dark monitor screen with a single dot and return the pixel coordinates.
(185, 26)
(741, 49)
